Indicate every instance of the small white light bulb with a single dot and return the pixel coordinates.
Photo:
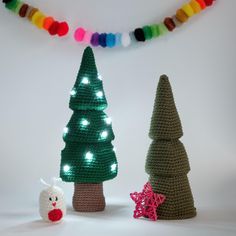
(108, 120)
(89, 156)
(85, 80)
(84, 122)
(99, 77)
(99, 94)
(73, 92)
(65, 130)
(104, 134)
(66, 168)
(113, 167)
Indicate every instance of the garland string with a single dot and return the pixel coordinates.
(110, 40)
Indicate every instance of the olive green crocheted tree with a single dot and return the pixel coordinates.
(88, 158)
(167, 161)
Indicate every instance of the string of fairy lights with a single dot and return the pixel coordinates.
(84, 124)
(108, 39)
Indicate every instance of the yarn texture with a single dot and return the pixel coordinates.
(167, 162)
(89, 198)
(88, 158)
(52, 206)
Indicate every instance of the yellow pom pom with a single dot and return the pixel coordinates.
(39, 21)
(188, 10)
(195, 6)
(38, 18)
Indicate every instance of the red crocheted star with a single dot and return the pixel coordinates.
(147, 202)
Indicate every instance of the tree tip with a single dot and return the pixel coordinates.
(88, 49)
(164, 77)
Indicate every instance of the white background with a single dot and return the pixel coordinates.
(37, 72)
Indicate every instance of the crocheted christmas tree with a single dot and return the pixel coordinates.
(167, 161)
(88, 158)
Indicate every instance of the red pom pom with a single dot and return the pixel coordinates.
(53, 28)
(208, 2)
(55, 215)
(63, 29)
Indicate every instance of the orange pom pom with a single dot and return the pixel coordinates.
(195, 5)
(47, 22)
(181, 16)
(202, 4)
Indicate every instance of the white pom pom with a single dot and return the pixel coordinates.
(125, 39)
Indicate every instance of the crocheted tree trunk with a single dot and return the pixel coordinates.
(88, 158)
(88, 198)
(167, 161)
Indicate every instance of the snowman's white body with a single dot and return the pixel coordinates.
(52, 206)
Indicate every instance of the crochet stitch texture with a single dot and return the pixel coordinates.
(167, 161)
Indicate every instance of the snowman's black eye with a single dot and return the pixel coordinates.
(50, 199)
(56, 198)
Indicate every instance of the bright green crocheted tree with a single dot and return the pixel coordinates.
(88, 156)
(167, 161)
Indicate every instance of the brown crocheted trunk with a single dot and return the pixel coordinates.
(88, 197)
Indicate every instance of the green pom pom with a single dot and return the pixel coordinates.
(18, 7)
(147, 32)
(12, 5)
(155, 31)
(162, 29)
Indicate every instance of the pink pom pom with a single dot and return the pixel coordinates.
(87, 37)
(79, 34)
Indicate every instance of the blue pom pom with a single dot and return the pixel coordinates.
(102, 40)
(111, 40)
(118, 39)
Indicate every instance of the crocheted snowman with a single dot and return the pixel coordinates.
(52, 206)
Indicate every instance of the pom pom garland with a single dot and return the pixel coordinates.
(18, 7)
(6, 1)
(53, 28)
(202, 4)
(181, 16)
(110, 40)
(176, 21)
(154, 30)
(188, 10)
(79, 34)
(162, 29)
(142, 34)
(32, 11)
(125, 40)
(47, 22)
(87, 37)
(11, 5)
(195, 6)
(37, 18)
(102, 40)
(147, 32)
(63, 29)
(139, 35)
(208, 2)
(169, 23)
(95, 39)
(118, 39)
(23, 10)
